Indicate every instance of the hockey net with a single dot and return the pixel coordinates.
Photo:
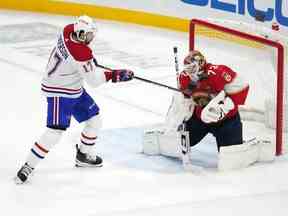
(260, 55)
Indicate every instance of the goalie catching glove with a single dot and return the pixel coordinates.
(217, 108)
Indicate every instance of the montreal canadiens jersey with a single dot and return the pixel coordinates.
(218, 78)
(70, 63)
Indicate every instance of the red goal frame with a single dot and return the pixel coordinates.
(280, 67)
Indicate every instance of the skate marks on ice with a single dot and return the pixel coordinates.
(123, 147)
(36, 38)
(32, 38)
(27, 32)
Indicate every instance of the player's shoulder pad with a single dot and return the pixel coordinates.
(80, 52)
(217, 68)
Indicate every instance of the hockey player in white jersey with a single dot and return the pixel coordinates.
(70, 63)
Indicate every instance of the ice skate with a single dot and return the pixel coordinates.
(23, 174)
(87, 160)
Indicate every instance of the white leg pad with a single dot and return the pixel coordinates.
(151, 142)
(266, 151)
(169, 144)
(243, 155)
(156, 142)
(237, 156)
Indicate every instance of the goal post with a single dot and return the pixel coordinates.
(236, 32)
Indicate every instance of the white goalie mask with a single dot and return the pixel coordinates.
(193, 70)
(194, 64)
(85, 29)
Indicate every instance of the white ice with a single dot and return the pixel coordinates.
(129, 183)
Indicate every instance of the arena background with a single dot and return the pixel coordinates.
(171, 14)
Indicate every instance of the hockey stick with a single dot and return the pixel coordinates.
(142, 79)
(185, 141)
(175, 51)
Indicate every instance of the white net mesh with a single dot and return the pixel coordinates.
(257, 62)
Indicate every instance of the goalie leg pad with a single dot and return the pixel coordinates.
(157, 142)
(151, 142)
(266, 151)
(169, 144)
(243, 155)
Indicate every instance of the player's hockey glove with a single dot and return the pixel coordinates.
(122, 75)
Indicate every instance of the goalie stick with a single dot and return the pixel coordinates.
(175, 51)
(184, 134)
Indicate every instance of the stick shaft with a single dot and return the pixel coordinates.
(175, 51)
(144, 80)
(156, 83)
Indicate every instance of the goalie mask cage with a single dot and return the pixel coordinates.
(256, 38)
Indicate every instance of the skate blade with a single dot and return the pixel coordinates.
(18, 181)
(84, 165)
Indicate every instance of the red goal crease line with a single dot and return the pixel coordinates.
(280, 67)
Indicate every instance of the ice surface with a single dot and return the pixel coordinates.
(130, 183)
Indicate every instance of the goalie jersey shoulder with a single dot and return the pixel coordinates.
(224, 78)
(80, 52)
(220, 75)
